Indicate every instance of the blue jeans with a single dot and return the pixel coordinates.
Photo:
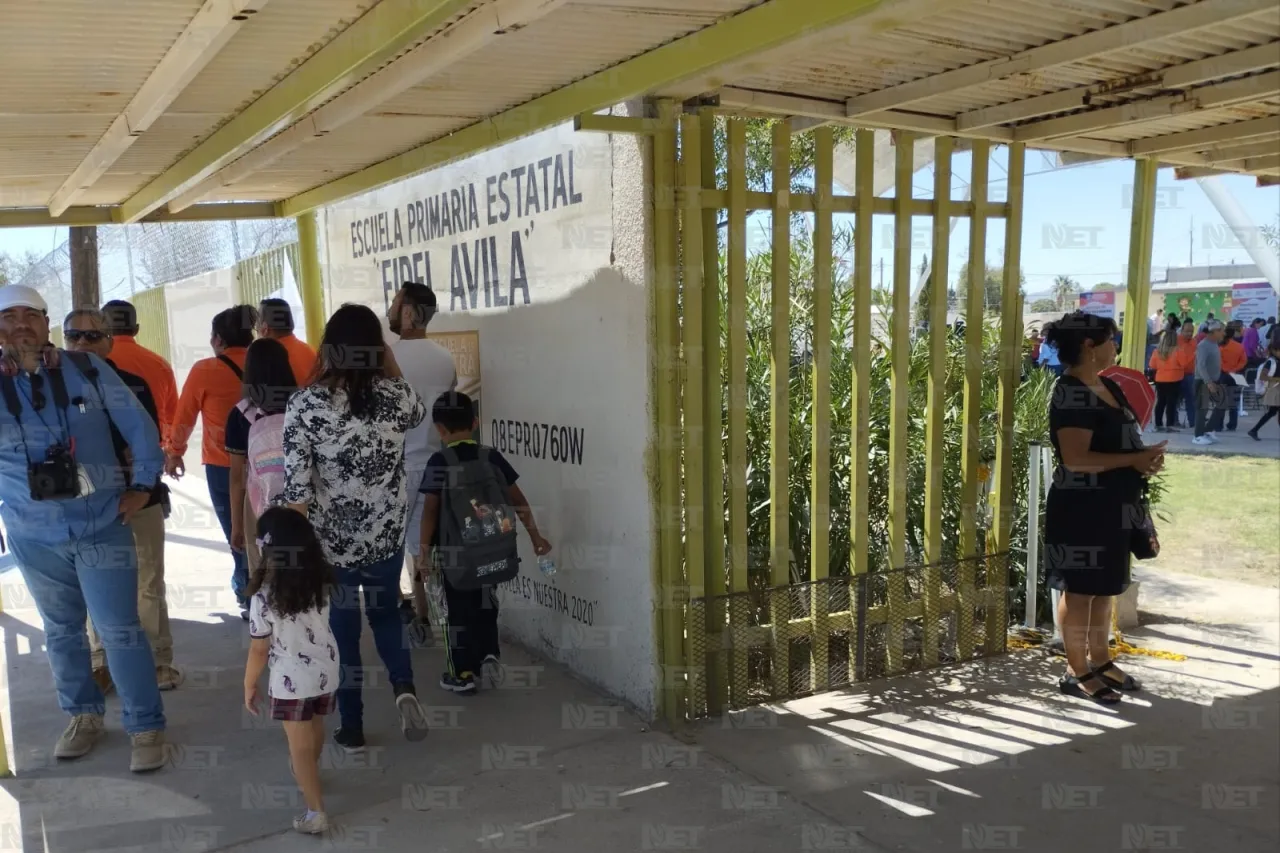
(219, 478)
(96, 576)
(381, 584)
(1189, 397)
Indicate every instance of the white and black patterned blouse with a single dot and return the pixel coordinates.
(351, 471)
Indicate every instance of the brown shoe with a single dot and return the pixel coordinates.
(82, 734)
(168, 676)
(102, 677)
(148, 751)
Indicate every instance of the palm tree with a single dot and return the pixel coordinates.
(1065, 291)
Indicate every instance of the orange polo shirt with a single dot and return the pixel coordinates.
(1167, 369)
(131, 357)
(1187, 354)
(211, 391)
(302, 358)
(1233, 357)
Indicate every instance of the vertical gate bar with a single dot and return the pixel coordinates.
(820, 452)
(899, 392)
(998, 543)
(971, 451)
(694, 409)
(935, 414)
(665, 242)
(1138, 286)
(780, 413)
(737, 322)
(860, 440)
(713, 429)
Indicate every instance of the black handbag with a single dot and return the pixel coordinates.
(1144, 541)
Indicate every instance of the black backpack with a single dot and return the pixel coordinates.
(477, 543)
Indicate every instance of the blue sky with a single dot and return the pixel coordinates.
(1075, 222)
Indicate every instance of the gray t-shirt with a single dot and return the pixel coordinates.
(1208, 360)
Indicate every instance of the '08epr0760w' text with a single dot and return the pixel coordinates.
(538, 440)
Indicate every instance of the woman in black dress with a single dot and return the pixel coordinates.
(1096, 494)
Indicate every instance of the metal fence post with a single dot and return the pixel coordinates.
(1033, 532)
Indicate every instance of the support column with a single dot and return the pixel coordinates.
(82, 246)
(310, 285)
(1138, 283)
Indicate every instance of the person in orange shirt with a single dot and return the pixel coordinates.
(1167, 362)
(1233, 361)
(211, 391)
(1187, 356)
(132, 357)
(275, 320)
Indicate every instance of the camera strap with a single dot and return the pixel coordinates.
(235, 368)
(11, 401)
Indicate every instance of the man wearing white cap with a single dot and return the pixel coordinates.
(66, 504)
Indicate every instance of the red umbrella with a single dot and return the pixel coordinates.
(1138, 392)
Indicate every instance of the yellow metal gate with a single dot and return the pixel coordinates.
(742, 619)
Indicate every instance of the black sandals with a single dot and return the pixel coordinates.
(1129, 684)
(1071, 685)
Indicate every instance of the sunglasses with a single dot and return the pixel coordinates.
(75, 336)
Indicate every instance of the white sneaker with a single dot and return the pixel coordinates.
(1212, 435)
(1203, 441)
(316, 824)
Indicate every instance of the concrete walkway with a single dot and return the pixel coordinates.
(1229, 443)
(981, 756)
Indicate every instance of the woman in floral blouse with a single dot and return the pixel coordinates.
(344, 468)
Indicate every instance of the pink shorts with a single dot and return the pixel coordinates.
(301, 710)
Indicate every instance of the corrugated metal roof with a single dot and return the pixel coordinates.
(71, 66)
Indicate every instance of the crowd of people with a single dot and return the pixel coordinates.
(1206, 381)
(322, 468)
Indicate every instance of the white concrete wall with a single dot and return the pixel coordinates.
(567, 356)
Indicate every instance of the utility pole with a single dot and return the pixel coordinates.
(82, 247)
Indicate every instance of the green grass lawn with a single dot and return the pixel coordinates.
(1220, 517)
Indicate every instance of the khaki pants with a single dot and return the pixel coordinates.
(153, 609)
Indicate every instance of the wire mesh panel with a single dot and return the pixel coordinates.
(782, 642)
(153, 321)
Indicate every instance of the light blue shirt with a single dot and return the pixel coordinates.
(1049, 355)
(88, 433)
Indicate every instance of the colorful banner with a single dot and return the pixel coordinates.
(1102, 303)
(1252, 299)
(1197, 305)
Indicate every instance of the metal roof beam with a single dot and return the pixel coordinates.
(1191, 140)
(760, 28)
(1268, 180)
(1212, 97)
(773, 103)
(1241, 152)
(376, 38)
(476, 31)
(1127, 35)
(206, 34)
(1175, 77)
(39, 217)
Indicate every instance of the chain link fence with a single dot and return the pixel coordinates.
(136, 258)
(777, 643)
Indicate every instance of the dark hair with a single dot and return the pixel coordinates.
(293, 569)
(235, 325)
(1210, 317)
(454, 411)
(351, 356)
(276, 315)
(268, 378)
(1271, 320)
(422, 299)
(121, 317)
(1070, 333)
(1257, 320)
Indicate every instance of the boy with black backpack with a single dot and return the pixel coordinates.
(470, 504)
